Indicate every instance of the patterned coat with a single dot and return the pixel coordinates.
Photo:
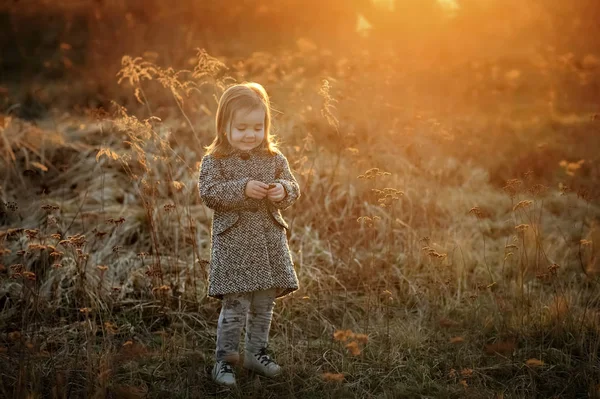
(249, 249)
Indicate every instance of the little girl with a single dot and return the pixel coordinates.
(246, 180)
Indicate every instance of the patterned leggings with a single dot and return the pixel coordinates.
(253, 308)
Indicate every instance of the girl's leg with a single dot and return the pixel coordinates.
(258, 321)
(229, 327)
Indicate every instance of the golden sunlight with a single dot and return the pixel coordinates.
(390, 5)
(362, 25)
(449, 5)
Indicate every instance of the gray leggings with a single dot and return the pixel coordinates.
(255, 309)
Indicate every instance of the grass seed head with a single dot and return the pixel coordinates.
(342, 335)
(353, 348)
(533, 362)
(522, 205)
(361, 338)
(521, 228)
(32, 233)
(457, 340)
(512, 187)
(333, 377)
(29, 275)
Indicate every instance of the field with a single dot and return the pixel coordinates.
(446, 239)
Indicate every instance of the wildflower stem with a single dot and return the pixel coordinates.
(146, 103)
(187, 120)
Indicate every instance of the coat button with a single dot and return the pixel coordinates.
(253, 209)
(245, 156)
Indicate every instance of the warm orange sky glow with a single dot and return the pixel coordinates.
(436, 190)
(390, 5)
(450, 5)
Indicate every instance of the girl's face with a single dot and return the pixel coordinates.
(247, 128)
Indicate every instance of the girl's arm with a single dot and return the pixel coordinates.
(285, 177)
(220, 194)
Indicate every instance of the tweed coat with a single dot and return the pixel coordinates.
(249, 247)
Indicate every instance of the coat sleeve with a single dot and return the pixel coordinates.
(285, 177)
(220, 194)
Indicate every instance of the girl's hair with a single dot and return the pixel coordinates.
(238, 97)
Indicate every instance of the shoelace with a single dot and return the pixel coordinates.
(263, 357)
(226, 368)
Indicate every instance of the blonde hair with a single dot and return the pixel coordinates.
(248, 95)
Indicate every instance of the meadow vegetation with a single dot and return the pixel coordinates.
(446, 240)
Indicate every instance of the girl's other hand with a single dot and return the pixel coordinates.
(256, 189)
(276, 192)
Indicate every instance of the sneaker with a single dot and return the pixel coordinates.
(223, 373)
(262, 363)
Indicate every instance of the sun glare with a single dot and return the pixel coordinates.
(449, 5)
(362, 25)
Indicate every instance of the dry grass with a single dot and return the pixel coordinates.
(423, 273)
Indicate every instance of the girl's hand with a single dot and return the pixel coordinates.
(256, 189)
(276, 192)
